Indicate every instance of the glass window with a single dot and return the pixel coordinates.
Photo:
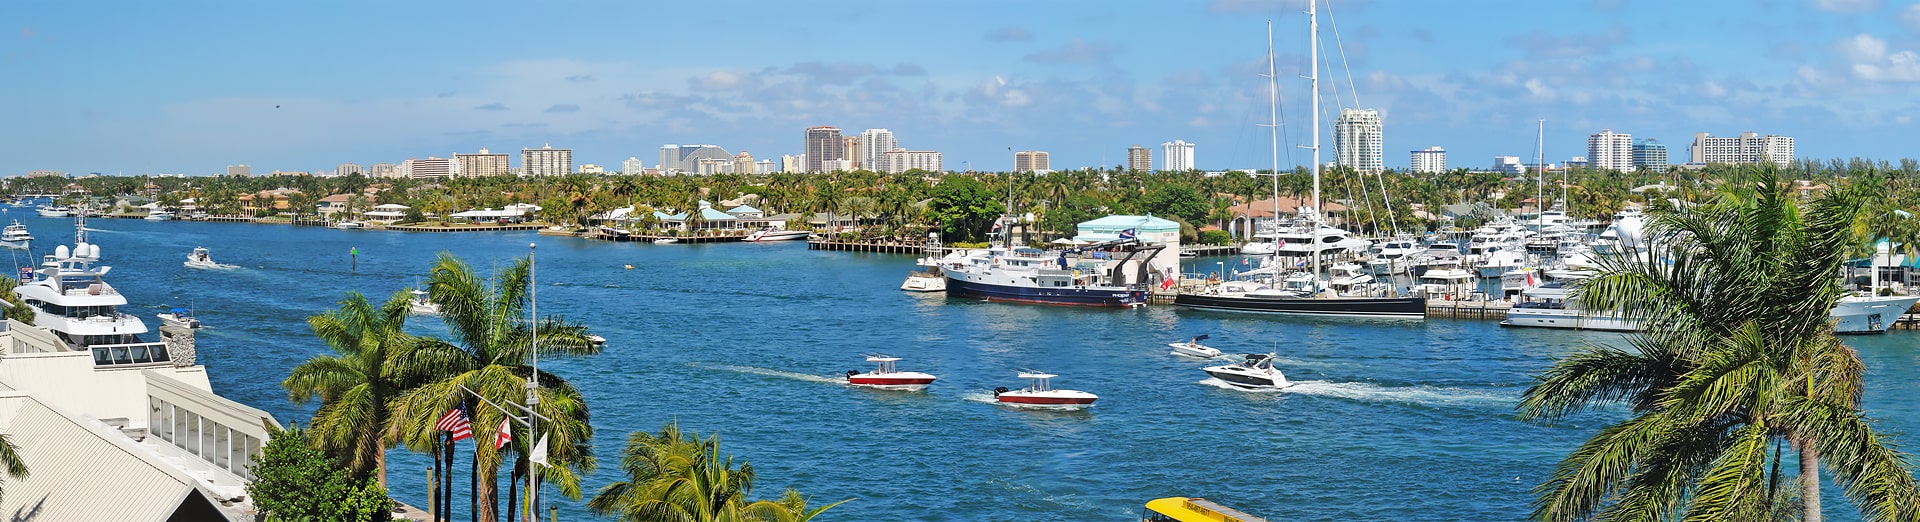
(192, 438)
(253, 449)
(120, 355)
(222, 448)
(160, 353)
(140, 355)
(100, 357)
(179, 427)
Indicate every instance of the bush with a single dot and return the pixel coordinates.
(1215, 237)
(292, 481)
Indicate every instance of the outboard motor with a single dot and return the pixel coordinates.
(851, 373)
(999, 390)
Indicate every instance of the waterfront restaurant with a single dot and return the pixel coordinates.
(1148, 229)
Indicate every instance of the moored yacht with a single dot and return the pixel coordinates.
(16, 236)
(1078, 276)
(159, 215)
(775, 234)
(1868, 314)
(54, 211)
(1256, 371)
(886, 377)
(1552, 305)
(1041, 393)
(70, 297)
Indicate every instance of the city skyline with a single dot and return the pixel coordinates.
(274, 87)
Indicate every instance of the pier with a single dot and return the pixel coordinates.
(877, 247)
(464, 228)
(1484, 310)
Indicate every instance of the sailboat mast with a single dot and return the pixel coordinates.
(1313, 81)
(1540, 176)
(1273, 127)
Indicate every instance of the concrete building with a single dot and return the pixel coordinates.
(824, 144)
(1508, 165)
(1139, 159)
(681, 159)
(793, 163)
(589, 168)
(765, 166)
(430, 168)
(901, 160)
(873, 144)
(483, 164)
(743, 163)
(1032, 161)
(1357, 141)
(1650, 154)
(632, 166)
(852, 145)
(348, 168)
(1749, 148)
(1176, 156)
(837, 165)
(1608, 150)
(1433, 160)
(384, 170)
(546, 161)
(241, 170)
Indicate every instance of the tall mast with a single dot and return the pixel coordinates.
(1273, 127)
(1313, 81)
(1540, 176)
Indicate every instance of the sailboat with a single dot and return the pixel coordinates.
(1318, 302)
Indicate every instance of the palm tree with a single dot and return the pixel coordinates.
(680, 476)
(490, 356)
(356, 384)
(10, 460)
(1739, 358)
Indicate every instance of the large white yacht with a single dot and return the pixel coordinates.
(71, 298)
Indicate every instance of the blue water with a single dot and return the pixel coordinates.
(1390, 421)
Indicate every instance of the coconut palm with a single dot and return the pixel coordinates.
(1739, 358)
(10, 460)
(679, 476)
(491, 352)
(357, 383)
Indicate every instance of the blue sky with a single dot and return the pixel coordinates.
(190, 87)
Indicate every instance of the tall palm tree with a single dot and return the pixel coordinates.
(679, 476)
(491, 356)
(357, 383)
(1739, 357)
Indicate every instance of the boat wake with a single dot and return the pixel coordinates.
(778, 373)
(1360, 391)
(216, 266)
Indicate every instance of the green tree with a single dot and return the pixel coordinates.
(294, 482)
(10, 460)
(1739, 358)
(357, 384)
(965, 208)
(15, 308)
(679, 476)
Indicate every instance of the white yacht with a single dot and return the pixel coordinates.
(1321, 240)
(1256, 371)
(159, 215)
(1868, 314)
(16, 236)
(54, 211)
(766, 234)
(71, 298)
(201, 259)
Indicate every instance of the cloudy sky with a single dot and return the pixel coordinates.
(190, 87)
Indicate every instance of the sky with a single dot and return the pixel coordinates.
(193, 86)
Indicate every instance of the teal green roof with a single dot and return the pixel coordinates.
(709, 214)
(743, 209)
(1143, 224)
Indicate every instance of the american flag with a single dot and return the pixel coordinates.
(456, 421)
(505, 436)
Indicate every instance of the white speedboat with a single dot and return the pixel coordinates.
(884, 376)
(925, 281)
(200, 259)
(1193, 348)
(180, 317)
(1256, 371)
(16, 236)
(665, 241)
(54, 211)
(1866, 314)
(159, 215)
(775, 234)
(1041, 393)
(348, 225)
(420, 305)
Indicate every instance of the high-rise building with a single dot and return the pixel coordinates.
(384, 170)
(681, 159)
(743, 163)
(482, 165)
(1650, 154)
(851, 147)
(348, 168)
(590, 168)
(823, 145)
(1139, 159)
(765, 166)
(430, 168)
(546, 161)
(1610, 151)
(1032, 161)
(1357, 141)
(1176, 156)
(1433, 160)
(901, 160)
(873, 144)
(1749, 148)
(1508, 165)
(632, 166)
(241, 170)
(793, 163)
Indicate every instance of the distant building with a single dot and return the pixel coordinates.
(901, 160)
(430, 168)
(1357, 141)
(686, 158)
(1032, 161)
(793, 163)
(824, 144)
(837, 165)
(1139, 159)
(589, 168)
(743, 163)
(632, 166)
(241, 170)
(1508, 165)
(1577, 162)
(384, 170)
(1176, 156)
(1650, 154)
(1749, 148)
(1433, 160)
(51, 174)
(850, 147)
(875, 143)
(546, 161)
(1610, 151)
(348, 168)
(765, 166)
(482, 165)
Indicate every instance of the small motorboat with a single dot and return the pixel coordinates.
(1189, 254)
(1041, 393)
(201, 259)
(665, 241)
(1256, 371)
(180, 317)
(16, 236)
(930, 280)
(159, 215)
(886, 377)
(776, 234)
(420, 305)
(349, 225)
(597, 341)
(1193, 348)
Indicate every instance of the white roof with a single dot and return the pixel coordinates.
(881, 358)
(391, 206)
(82, 469)
(1025, 375)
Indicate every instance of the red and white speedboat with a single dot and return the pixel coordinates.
(1042, 394)
(885, 377)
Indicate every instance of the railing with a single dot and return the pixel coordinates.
(130, 354)
(90, 290)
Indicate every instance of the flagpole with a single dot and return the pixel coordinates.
(533, 386)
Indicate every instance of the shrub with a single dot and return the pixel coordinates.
(292, 481)
(1215, 237)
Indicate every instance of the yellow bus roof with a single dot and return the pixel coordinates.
(1186, 509)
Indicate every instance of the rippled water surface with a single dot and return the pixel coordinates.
(1390, 420)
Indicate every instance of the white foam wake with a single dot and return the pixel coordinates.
(1360, 391)
(778, 373)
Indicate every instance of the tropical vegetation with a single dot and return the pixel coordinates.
(677, 475)
(10, 461)
(294, 482)
(357, 384)
(1738, 375)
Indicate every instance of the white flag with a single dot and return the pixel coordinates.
(539, 453)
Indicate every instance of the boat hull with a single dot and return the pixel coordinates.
(919, 282)
(1870, 315)
(1567, 320)
(1244, 380)
(1371, 307)
(785, 235)
(890, 383)
(1065, 296)
(1017, 399)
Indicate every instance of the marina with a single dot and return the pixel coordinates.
(1392, 407)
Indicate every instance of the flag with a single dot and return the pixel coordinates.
(1282, 243)
(456, 421)
(1166, 283)
(996, 226)
(539, 453)
(1129, 233)
(1300, 263)
(1245, 262)
(505, 436)
(1529, 278)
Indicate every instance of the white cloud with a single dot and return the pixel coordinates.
(997, 90)
(1712, 89)
(1910, 17)
(1863, 48)
(1540, 89)
(1847, 6)
(718, 81)
(1903, 66)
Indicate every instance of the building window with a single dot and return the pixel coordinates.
(192, 434)
(237, 456)
(222, 446)
(208, 448)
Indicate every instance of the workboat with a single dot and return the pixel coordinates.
(1193, 348)
(420, 305)
(200, 259)
(1256, 371)
(1041, 393)
(16, 236)
(1107, 274)
(885, 377)
(774, 234)
(1185, 509)
(180, 317)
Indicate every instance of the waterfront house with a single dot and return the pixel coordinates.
(1249, 217)
(387, 213)
(334, 204)
(1148, 229)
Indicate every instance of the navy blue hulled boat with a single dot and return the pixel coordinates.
(1069, 277)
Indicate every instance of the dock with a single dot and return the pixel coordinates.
(877, 247)
(465, 228)
(1482, 310)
